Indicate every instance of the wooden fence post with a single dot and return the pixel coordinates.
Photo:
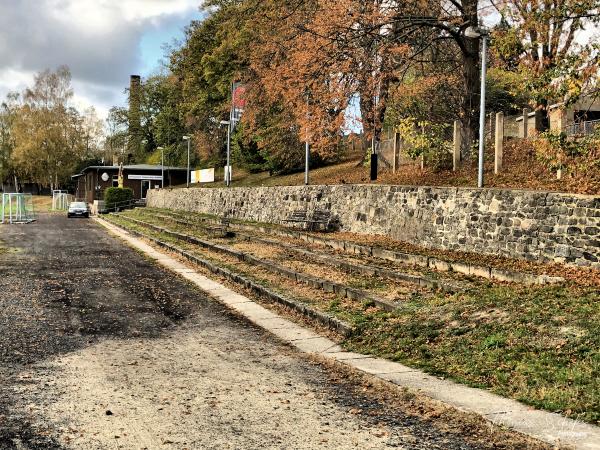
(499, 141)
(395, 158)
(456, 148)
(525, 123)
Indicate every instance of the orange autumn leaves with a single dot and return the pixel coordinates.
(314, 59)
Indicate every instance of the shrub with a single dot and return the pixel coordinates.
(115, 197)
(558, 151)
(428, 140)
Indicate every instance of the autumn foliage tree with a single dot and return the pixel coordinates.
(46, 137)
(304, 63)
(334, 51)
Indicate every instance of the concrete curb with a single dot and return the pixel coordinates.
(324, 319)
(316, 282)
(364, 269)
(542, 425)
(406, 258)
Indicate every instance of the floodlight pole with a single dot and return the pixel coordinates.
(228, 171)
(307, 152)
(162, 167)
(229, 131)
(482, 109)
(227, 168)
(188, 139)
(475, 33)
(307, 164)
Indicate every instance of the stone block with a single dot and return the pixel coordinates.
(328, 286)
(562, 251)
(378, 252)
(417, 260)
(354, 294)
(460, 267)
(438, 264)
(340, 290)
(480, 271)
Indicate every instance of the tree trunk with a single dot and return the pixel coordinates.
(366, 115)
(471, 78)
(471, 96)
(542, 106)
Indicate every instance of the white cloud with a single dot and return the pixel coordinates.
(98, 39)
(15, 80)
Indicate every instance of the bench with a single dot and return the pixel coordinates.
(222, 229)
(311, 222)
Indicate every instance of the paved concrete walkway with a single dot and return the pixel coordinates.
(546, 426)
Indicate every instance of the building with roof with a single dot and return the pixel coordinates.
(94, 180)
(580, 118)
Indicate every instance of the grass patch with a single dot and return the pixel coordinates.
(539, 345)
(42, 203)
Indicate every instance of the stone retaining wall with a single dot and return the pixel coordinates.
(523, 224)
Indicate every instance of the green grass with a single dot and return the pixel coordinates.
(42, 203)
(537, 345)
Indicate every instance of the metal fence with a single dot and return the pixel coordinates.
(61, 200)
(582, 128)
(17, 208)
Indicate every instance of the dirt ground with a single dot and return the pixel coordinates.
(101, 349)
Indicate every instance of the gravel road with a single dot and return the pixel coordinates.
(101, 349)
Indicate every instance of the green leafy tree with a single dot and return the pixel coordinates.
(49, 134)
(8, 112)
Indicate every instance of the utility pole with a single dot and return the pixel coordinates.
(482, 33)
(162, 167)
(188, 139)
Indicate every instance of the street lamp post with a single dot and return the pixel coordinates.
(228, 166)
(307, 164)
(482, 33)
(188, 139)
(162, 167)
(307, 149)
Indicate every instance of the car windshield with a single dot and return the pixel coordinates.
(78, 205)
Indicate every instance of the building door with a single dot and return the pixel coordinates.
(145, 187)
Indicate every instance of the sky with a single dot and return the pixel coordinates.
(102, 41)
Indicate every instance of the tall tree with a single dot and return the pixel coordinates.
(115, 143)
(539, 39)
(47, 131)
(8, 113)
(349, 47)
(214, 53)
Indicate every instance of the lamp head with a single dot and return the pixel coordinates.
(476, 32)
